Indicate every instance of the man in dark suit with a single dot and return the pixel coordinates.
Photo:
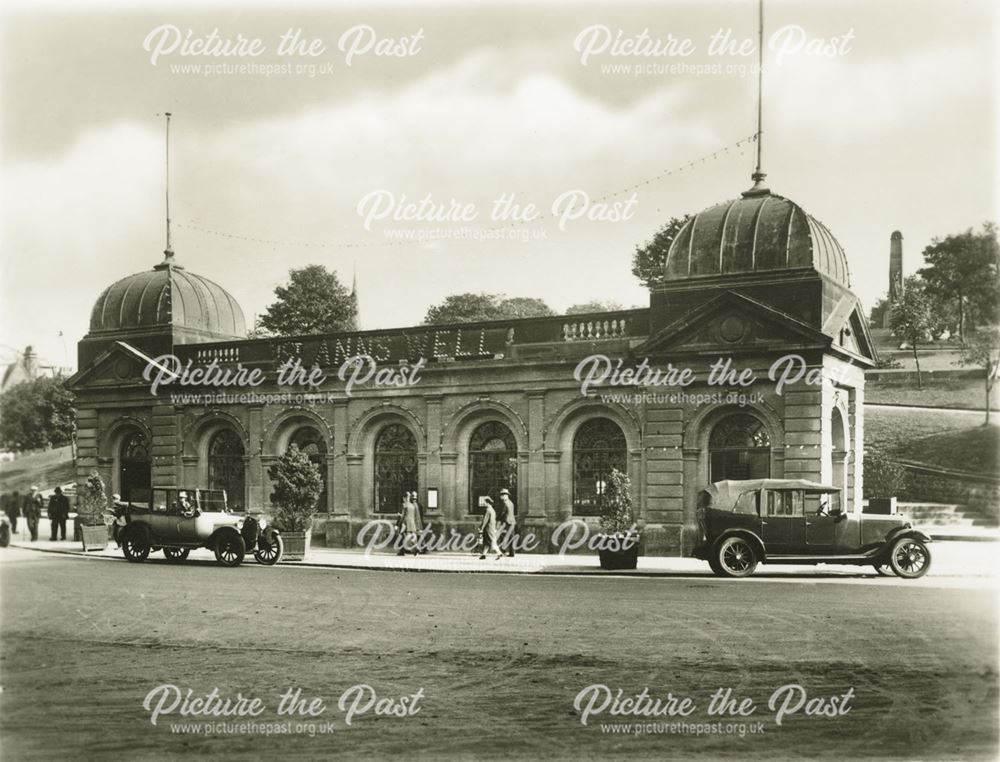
(58, 513)
(508, 520)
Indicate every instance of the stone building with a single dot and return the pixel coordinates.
(497, 405)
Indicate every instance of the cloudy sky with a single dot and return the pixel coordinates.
(878, 116)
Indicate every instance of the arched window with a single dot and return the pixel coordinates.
(395, 467)
(311, 442)
(739, 448)
(492, 464)
(226, 467)
(134, 468)
(598, 447)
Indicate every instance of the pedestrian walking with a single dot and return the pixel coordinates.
(58, 513)
(32, 511)
(407, 526)
(508, 523)
(488, 529)
(13, 510)
(420, 516)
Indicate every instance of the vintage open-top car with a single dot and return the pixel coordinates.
(794, 521)
(176, 520)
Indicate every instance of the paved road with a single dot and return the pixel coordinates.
(497, 662)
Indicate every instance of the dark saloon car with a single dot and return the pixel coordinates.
(794, 521)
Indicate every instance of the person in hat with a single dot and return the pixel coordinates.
(488, 529)
(508, 522)
(58, 513)
(32, 510)
(13, 509)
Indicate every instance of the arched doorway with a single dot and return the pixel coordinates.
(598, 447)
(492, 464)
(226, 467)
(312, 443)
(395, 467)
(739, 448)
(839, 457)
(134, 468)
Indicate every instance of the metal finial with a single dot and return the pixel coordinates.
(759, 188)
(168, 252)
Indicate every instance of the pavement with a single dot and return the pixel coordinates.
(960, 557)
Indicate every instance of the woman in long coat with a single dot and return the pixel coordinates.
(408, 525)
(489, 530)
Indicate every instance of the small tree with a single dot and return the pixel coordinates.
(297, 487)
(93, 501)
(616, 512)
(313, 301)
(883, 478)
(982, 349)
(650, 259)
(594, 306)
(912, 318)
(470, 308)
(37, 414)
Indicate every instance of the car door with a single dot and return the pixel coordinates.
(782, 521)
(824, 529)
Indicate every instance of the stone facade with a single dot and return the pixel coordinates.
(552, 444)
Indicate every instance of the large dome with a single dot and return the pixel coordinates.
(168, 295)
(758, 232)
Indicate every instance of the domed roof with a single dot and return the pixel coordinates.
(758, 232)
(168, 295)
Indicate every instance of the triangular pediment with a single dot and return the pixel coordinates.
(734, 322)
(119, 365)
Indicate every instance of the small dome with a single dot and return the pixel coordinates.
(757, 232)
(168, 295)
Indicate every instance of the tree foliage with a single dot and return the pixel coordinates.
(594, 306)
(882, 477)
(37, 414)
(650, 259)
(964, 270)
(93, 501)
(313, 301)
(912, 318)
(297, 487)
(982, 350)
(470, 308)
(616, 511)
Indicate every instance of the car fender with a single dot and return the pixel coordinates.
(900, 532)
(751, 536)
(214, 537)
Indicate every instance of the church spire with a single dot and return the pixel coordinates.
(355, 321)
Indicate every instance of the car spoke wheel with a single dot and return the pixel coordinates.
(269, 553)
(736, 557)
(176, 554)
(230, 549)
(910, 558)
(883, 569)
(135, 548)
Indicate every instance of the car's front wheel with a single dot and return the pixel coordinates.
(268, 552)
(230, 549)
(909, 558)
(176, 554)
(134, 546)
(736, 557)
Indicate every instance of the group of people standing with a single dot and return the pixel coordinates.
(30, 506)
(497, 531)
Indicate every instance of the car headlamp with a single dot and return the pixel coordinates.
(262, 522)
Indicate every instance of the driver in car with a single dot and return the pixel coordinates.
(186, 507)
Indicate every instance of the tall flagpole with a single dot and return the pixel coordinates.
(168, 251)
(758, 174)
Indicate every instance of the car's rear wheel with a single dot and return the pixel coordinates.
(736, 557)
(176, 554)
(713, 564)
(134, 546)
(883, 569)
(230, 549)
(909, 558)
(269, 552)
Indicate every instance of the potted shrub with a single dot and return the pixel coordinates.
(618, 542)
(297, 487)
(883, 481)
(92, 502)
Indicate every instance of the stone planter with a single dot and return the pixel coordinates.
(615, 558)
(296, 544)
(94, 538)
(882, 505)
